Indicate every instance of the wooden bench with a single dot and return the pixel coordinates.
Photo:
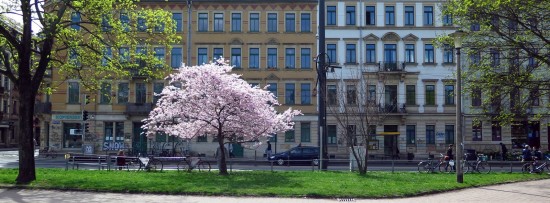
(101, 161)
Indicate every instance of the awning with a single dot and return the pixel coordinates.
(388, 133)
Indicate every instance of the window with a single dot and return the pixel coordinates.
(289, 136)
(350, 15)
(122, 95)
(430, 134)
(141, 27)
(107, 56)
(305, 22)
(202, 138)
(159, 55)
(449, 134)
(254, 58)
(305, 58)
(289, 93)
(496, 131)
(202, 56)
(447, 20)
(116, 134)
(178, 18)
(371, 97)
(236, 57)
(124, 54)
(409, 53)
(125, 21)
(476, 97)
(350, 53)
(109, 131)
(272, 22)
(476, 131)
(74, 57)
(449, 94)
(475, 57)
(75, 21)
(74, 93)
(290, 22)
(331, 134)
(141, 93)
(409, 15)
(429, 53)
(141, 54)
(495, 58)
(105, 24)
(157, 89)
(390, 53)
(475, 27)
(411, 94)
(534, 96)
(351, 94)
(305, 93)
(390, 15)
(331, 51)
(218, 22)
(331, 15)
(370, 15)
(430, 95)
(218, 53)
(371, 53)
(411, 134)
(428, 15)
(290, 58)
(272, 88)
(235, 22)
(203, 22)
(448, 55)
(254, 22)
(305, 132)
(105, 97)
(176, 57)
(331, 94)
(272, 58)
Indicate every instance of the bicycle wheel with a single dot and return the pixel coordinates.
(466, 167)
(204, 166)
(424, 167)
(155, 165)
(483, 167)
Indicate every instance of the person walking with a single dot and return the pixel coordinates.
(449, 156)
(268, 150)
(503, 151)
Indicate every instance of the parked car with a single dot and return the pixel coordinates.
(303, 155)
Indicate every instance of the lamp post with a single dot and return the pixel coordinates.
(458, 128)
(322, 77)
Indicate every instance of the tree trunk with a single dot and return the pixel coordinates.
(221, 155)
(27, 171)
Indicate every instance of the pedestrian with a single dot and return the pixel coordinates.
(449, 155)
(503, 151)
(120, 159)
(268, 150)
(526, 154)
(537, 153)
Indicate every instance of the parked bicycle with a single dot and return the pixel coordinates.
(47, 152)
(536, 166)
(430, 165)
(191, 163)
(480, 165)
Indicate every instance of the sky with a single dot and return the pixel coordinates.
(17, 18)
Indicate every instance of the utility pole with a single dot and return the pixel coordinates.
(322, 75)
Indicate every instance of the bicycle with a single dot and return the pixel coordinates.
(532, 166)
(430, 166)
(480, 165)
(191, 163)
(47, 151)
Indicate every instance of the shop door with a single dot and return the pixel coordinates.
(238, 150)
(390, 140)
(139, 141)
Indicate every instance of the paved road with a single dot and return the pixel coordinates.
(532, 192)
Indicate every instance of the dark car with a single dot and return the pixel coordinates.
(304, 155)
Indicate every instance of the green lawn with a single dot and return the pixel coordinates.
(262, 183)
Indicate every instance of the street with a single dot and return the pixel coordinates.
(9, 159)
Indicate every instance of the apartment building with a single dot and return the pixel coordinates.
(389, 59)
(270, 43)
(9, 120)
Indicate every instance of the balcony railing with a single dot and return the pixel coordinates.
(43, 108)
(138, 108)
(391, 66)
(393, 108)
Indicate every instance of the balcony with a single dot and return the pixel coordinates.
(393, 108)
(391, 66)
(43, 108)
(138, 108)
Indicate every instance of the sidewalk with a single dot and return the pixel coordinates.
(532, 192)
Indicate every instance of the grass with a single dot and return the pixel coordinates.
(262, 183)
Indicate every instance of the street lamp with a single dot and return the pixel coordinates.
(458, 128)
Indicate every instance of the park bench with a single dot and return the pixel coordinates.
(100, 161)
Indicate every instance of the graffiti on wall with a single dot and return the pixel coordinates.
(112, 146)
